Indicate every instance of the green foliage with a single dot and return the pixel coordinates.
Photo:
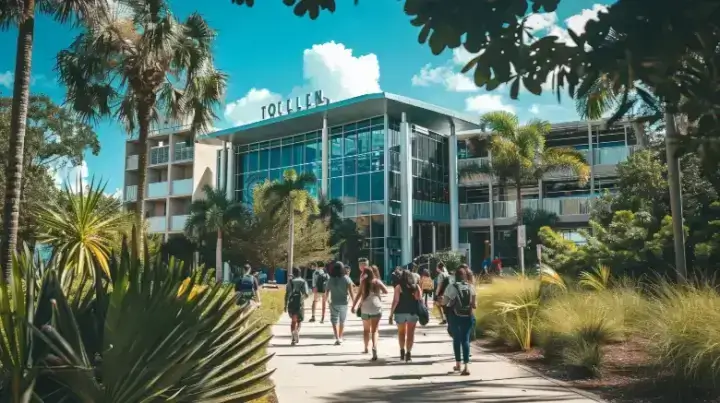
(560, 253)
(82, 228)
(597, 280)
(83, 344)
(452, 259)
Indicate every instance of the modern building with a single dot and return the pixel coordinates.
(178, 168)
(394, 163)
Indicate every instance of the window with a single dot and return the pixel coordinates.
(363, 186)
(251, 161)
(378, 226)
(350, 143)
(313, 152)
(298, 154)
(336, 148)
(350, 167)
(377, 184)
(377, 141)
(349, 188)
(336, 188)
(363, 163)
(264, 160)
(377, 161)
(363, 140)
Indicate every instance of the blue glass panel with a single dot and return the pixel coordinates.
(336, 188)
(380, 120)
(363, 209)
(313, 152)
(336, 168)
(350, 143)
(275, 158)
(378, 226)
(276, 174)
(378, 138)
(264, 160)
(313, 190)
(363, 140)
(363, 163)
(349, 163)
(287, 156)
(377, 161)
(316, 168)
(349, 187)
(377, 183)
(363, 123)
(298, 154)
(336, 148)
(252, 161)
(349, 210)
(363, 186)
(349, 127)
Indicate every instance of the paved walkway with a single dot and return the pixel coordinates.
(317, 371)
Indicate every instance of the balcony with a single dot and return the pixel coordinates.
(159, 155)
(157, 224)
(157, 189)
(130, 193)
(183, 152)
(566, 206)
(182, 187)
(570, 208)
(131, 163)
(177, 222)
(474, 211)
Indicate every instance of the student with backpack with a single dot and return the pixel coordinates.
(296, 292)
(319, 284)
(246, 287)
(459, 299)
(443, 281)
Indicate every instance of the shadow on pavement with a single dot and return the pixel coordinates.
(462, 390)
(366, 363)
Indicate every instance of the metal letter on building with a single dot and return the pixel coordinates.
(271, 110)
(319, 99)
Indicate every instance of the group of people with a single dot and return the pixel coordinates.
(334, 290)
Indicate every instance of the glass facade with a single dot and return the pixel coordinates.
(265, 160)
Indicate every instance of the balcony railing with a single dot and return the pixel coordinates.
(562, 206)
(157, 189)
(183, 152)
(182, 187)
(159, 155)
(132, 163)
(157, 224)
(177, 222)
(130, 193)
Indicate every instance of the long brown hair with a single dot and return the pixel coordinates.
(368, 282)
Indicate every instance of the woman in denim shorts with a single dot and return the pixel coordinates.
(371, 307)
(405, 312)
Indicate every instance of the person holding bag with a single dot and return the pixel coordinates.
(460, 300)
(370, 310)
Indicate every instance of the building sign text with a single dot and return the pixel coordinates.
(288, 106)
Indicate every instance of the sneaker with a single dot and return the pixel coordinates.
(408, 357)
(443, 322)
(374, 355)
(312, 319)
(337, 342)
(322, 320)
(402, 355)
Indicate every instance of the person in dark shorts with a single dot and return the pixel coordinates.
(295, 294)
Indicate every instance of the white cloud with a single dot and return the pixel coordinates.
(534, 109)
(447, 75)
(331, 67)
(577, 22)
(247, 109)
(75, 177)
(117, 194)
(6, 79)
(486, 103)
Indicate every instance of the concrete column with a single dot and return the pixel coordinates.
(492, 218)
(454, 199)
(540, 195)
(434, 237)
(420, 239)
(591, 160)
(386, 184)
(325, 157)
(230, 175)
(406, 191)
(223, 162)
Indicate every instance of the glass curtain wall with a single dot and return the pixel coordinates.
(267, 160)
(356, 170)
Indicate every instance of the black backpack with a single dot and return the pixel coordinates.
(321, 281)
(296, 296)
(462, 302)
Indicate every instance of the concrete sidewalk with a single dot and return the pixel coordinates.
(317, 371)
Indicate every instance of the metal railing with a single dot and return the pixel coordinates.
(159, 155)
(183, 152)
(132, 163)
(562, 206)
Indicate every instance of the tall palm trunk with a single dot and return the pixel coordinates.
(218, 258)
(143, 133)
(18, 120)
(291, 235)
(518, 212)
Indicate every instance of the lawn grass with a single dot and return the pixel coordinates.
(273, 301)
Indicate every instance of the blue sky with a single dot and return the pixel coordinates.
(271, 54)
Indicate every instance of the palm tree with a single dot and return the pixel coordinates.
(519, 155)
(215, 213)
(330, 210)
(82, 228)
(144, 68)
(22, 14)
(291, 195)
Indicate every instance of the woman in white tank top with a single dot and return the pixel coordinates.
(371, 307)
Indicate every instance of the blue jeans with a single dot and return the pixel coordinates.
(462, 326)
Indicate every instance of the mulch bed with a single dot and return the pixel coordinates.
(626, 375)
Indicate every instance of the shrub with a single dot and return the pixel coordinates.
(683, 327)
(507, 310)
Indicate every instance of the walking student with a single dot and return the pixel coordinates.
(339, 289)
(319, 285)
(427, 285)
(443, 281)
(405, 312)
(246, 287)
(295, 294)
(460, 299)
(371, 307)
